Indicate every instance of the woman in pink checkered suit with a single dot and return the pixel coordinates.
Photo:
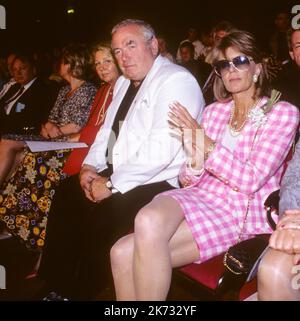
(234, 161)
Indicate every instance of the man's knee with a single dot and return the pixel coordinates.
(275, 268)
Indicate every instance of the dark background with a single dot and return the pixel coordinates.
(45, 24)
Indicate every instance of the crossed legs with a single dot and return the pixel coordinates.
(142, 262)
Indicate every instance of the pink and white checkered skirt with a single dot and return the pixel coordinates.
(214, 226)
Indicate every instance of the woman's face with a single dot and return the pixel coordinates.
(106, 67)
(240, 78)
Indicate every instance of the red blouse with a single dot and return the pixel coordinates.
(88, 133)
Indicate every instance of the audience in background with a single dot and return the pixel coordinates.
(288, 78)
(192, 36)
(198, 68)
(277, 42)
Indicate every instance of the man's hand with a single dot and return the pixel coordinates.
(99, 191)
(87, 175)
(286, 237)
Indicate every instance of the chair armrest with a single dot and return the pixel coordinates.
(271, 204)
(273, 200)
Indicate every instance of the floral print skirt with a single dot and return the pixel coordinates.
(26, 197)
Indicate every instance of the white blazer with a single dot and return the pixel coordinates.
(145, 151)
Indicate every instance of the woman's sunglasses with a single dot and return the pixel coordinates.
(240, 63)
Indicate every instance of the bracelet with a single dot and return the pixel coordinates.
(210, 148)
(194, 172)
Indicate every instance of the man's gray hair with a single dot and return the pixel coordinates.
(148, 31)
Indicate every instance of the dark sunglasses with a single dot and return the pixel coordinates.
(240, 63)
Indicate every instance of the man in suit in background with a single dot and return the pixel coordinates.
(9, 61)
(26, 105)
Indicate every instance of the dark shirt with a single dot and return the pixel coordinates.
(288, 83)
(278, 39)
(36, 102)
(117, 124)
(199, 69)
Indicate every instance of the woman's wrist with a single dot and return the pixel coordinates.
(60, 131)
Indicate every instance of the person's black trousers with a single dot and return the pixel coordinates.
(75, 261)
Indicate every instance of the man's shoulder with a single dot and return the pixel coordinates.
(168, 69)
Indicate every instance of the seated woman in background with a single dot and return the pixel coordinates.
(26, 198)
(235, 159)
(278, 274)
(70, 111)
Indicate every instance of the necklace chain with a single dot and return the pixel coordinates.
(234, 130)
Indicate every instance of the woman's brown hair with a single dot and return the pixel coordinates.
(79, 57)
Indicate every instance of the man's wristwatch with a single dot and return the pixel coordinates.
(110, 186)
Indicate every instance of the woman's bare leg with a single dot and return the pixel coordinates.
(142, 262)
(278, 278)
(10, 150)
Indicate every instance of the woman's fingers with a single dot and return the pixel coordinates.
(175, 121)
(183, 115)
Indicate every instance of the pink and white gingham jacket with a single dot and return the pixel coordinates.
(247, 174)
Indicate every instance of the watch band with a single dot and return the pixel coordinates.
(110, 186)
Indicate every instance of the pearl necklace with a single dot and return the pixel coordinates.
(233, 124)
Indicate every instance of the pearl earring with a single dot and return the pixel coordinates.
(255, 78)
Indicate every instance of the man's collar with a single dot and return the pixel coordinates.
(29, 83)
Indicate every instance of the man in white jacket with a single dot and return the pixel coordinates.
(134, 156)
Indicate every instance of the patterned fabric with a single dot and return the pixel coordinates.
(216, 203)
(290, 185)
(74, 109)
(26, 199)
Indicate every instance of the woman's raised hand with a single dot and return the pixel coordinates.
(192, 135)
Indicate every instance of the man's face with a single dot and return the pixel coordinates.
(23, 72)
(218, 36)
(186, 54)
(134, 54)
(295, 42)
